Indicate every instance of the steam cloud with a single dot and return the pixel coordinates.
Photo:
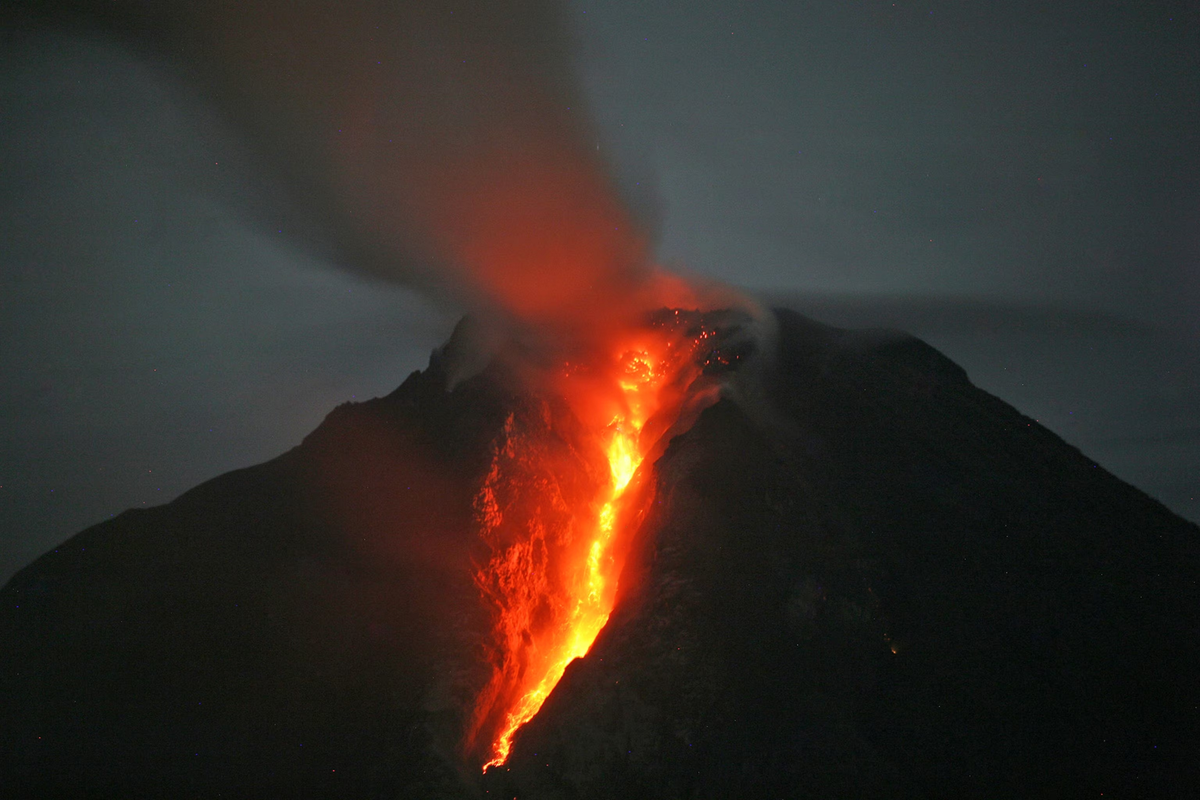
(444, 143)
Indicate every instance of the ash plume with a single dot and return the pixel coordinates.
(444, 144)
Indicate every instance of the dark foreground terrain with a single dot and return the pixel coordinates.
(870, 580)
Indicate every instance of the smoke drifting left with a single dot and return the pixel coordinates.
(444, 144)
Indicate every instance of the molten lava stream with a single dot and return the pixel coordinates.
(638, 390)
(590, 611)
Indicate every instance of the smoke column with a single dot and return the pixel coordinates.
(444, 143)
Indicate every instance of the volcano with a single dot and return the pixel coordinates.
(844, 570)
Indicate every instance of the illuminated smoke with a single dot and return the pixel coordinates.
(443, 143)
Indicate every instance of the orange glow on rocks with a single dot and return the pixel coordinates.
(553, 583)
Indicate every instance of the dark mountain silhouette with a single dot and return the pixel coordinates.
(875, 580)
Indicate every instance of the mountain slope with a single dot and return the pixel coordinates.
(870, 579)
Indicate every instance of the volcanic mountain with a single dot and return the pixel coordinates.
(850, 573)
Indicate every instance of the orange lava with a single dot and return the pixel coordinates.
(643, 382)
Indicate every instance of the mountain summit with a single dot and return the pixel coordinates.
(858, 575)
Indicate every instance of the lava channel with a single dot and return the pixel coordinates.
(628, 401)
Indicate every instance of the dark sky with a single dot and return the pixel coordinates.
(1017, 183)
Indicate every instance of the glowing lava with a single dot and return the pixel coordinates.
(558, 529)
(592, 597)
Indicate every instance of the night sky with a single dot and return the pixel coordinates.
(1017, 183)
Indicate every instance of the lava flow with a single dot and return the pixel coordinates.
(553, 583)
(591, 604)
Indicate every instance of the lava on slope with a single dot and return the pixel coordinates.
(553, 569)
